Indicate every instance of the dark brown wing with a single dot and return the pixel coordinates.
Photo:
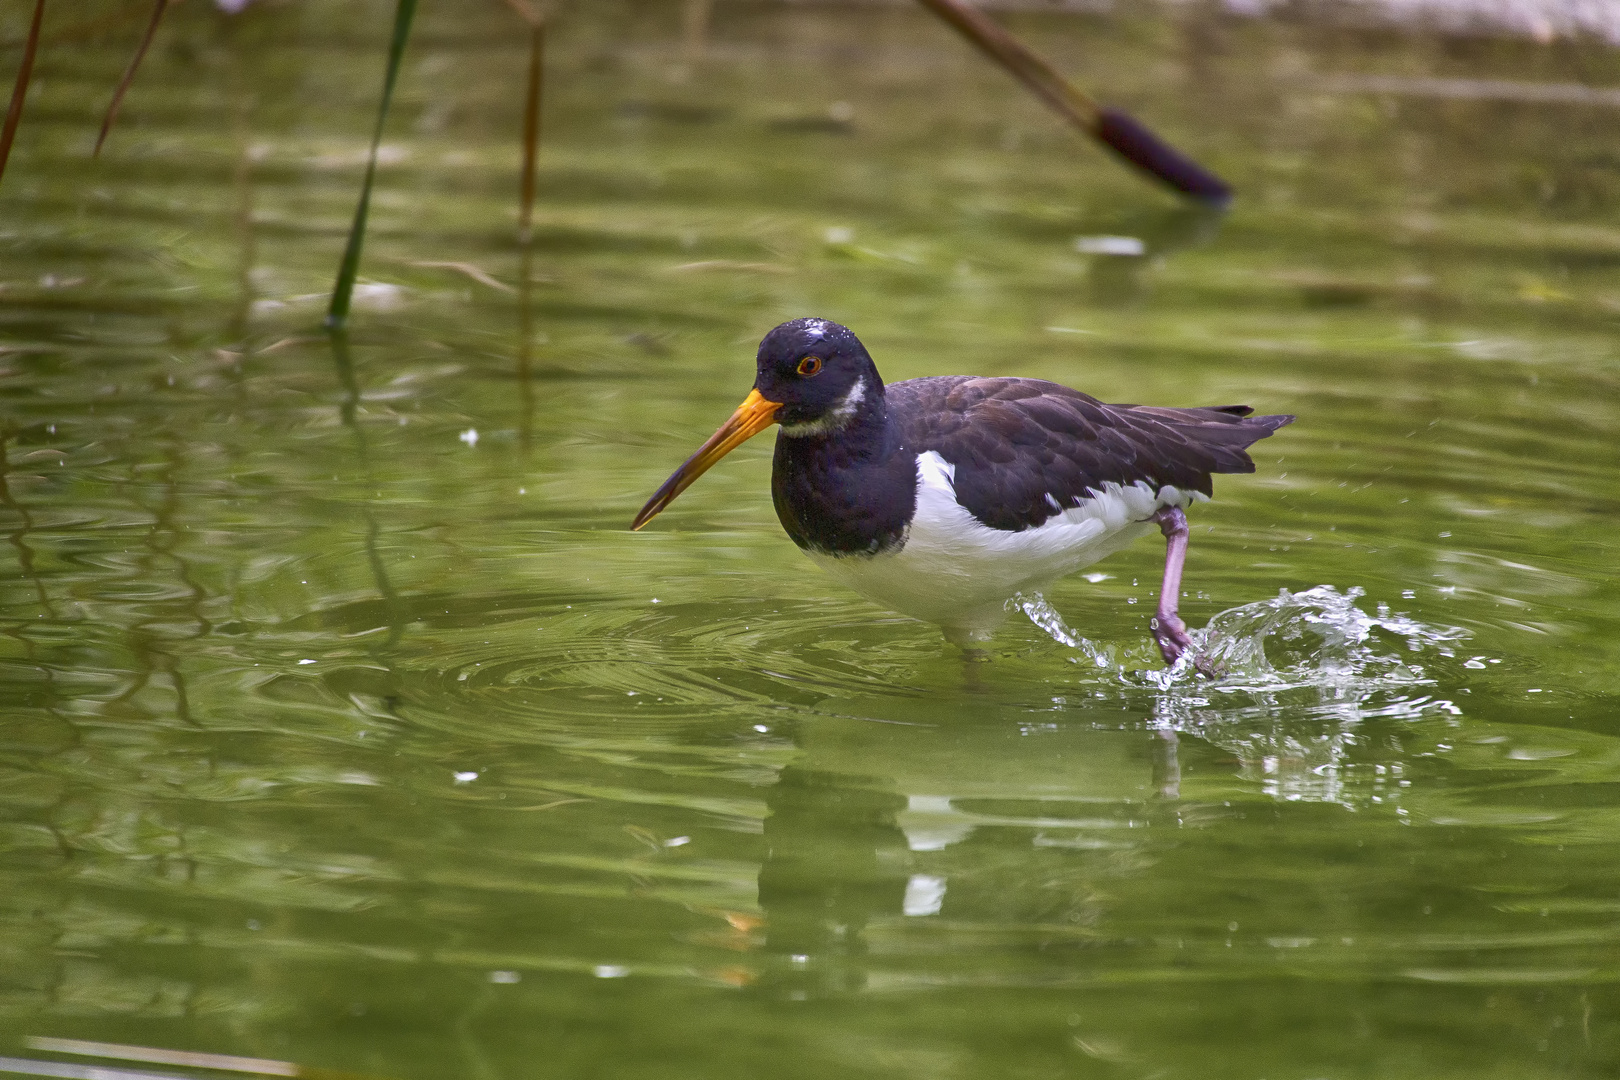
(1015, 442)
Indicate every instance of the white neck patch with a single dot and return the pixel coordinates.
(836, 417)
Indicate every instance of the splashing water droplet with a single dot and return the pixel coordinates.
(1045, 616)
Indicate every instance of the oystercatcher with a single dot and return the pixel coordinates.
(942, 497)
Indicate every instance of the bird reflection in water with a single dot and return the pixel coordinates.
(853, 851)
(836, 858)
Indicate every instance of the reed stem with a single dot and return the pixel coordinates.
(337, 315)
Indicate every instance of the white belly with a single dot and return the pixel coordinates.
(956, 571)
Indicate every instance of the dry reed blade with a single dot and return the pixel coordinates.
(1027, 66)
(20, 91)
(1115, 129)
(531, 112)
(531, 130)
(129, 73)
(343, 289)
(531, 152)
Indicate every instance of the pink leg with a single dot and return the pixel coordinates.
(1168, 629)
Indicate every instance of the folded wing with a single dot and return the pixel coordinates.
(1026, 449)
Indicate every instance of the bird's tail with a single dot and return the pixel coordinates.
(1224, 432)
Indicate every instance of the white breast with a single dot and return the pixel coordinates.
(958, 572)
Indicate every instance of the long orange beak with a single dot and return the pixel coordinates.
(753, 416)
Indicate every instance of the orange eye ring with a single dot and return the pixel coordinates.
(809, 366)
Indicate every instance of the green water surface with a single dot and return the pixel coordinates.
(344, 722)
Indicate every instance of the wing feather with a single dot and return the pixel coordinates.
(1014, 442)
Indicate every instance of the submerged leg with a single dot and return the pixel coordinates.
(1168, 629)
(972, 630)
(975, 653)
(972, 640)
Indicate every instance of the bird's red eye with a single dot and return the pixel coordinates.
(809, 365)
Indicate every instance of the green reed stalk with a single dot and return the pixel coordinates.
(343, 290)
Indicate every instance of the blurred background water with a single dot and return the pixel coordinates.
(344, 722)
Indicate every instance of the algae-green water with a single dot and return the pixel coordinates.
(344, 723)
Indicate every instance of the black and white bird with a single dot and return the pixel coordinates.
(942, 497)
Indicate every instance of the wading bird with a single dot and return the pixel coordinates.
(942, 497)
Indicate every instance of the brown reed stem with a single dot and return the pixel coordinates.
(129, 74)
(19, 91)
(531, 130)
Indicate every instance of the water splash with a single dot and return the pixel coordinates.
(1319, 638)
(1298, 677)
(1045, 616)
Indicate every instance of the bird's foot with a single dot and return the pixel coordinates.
(1171, 635)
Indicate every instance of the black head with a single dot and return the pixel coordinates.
(818, 371)
(814, 379)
